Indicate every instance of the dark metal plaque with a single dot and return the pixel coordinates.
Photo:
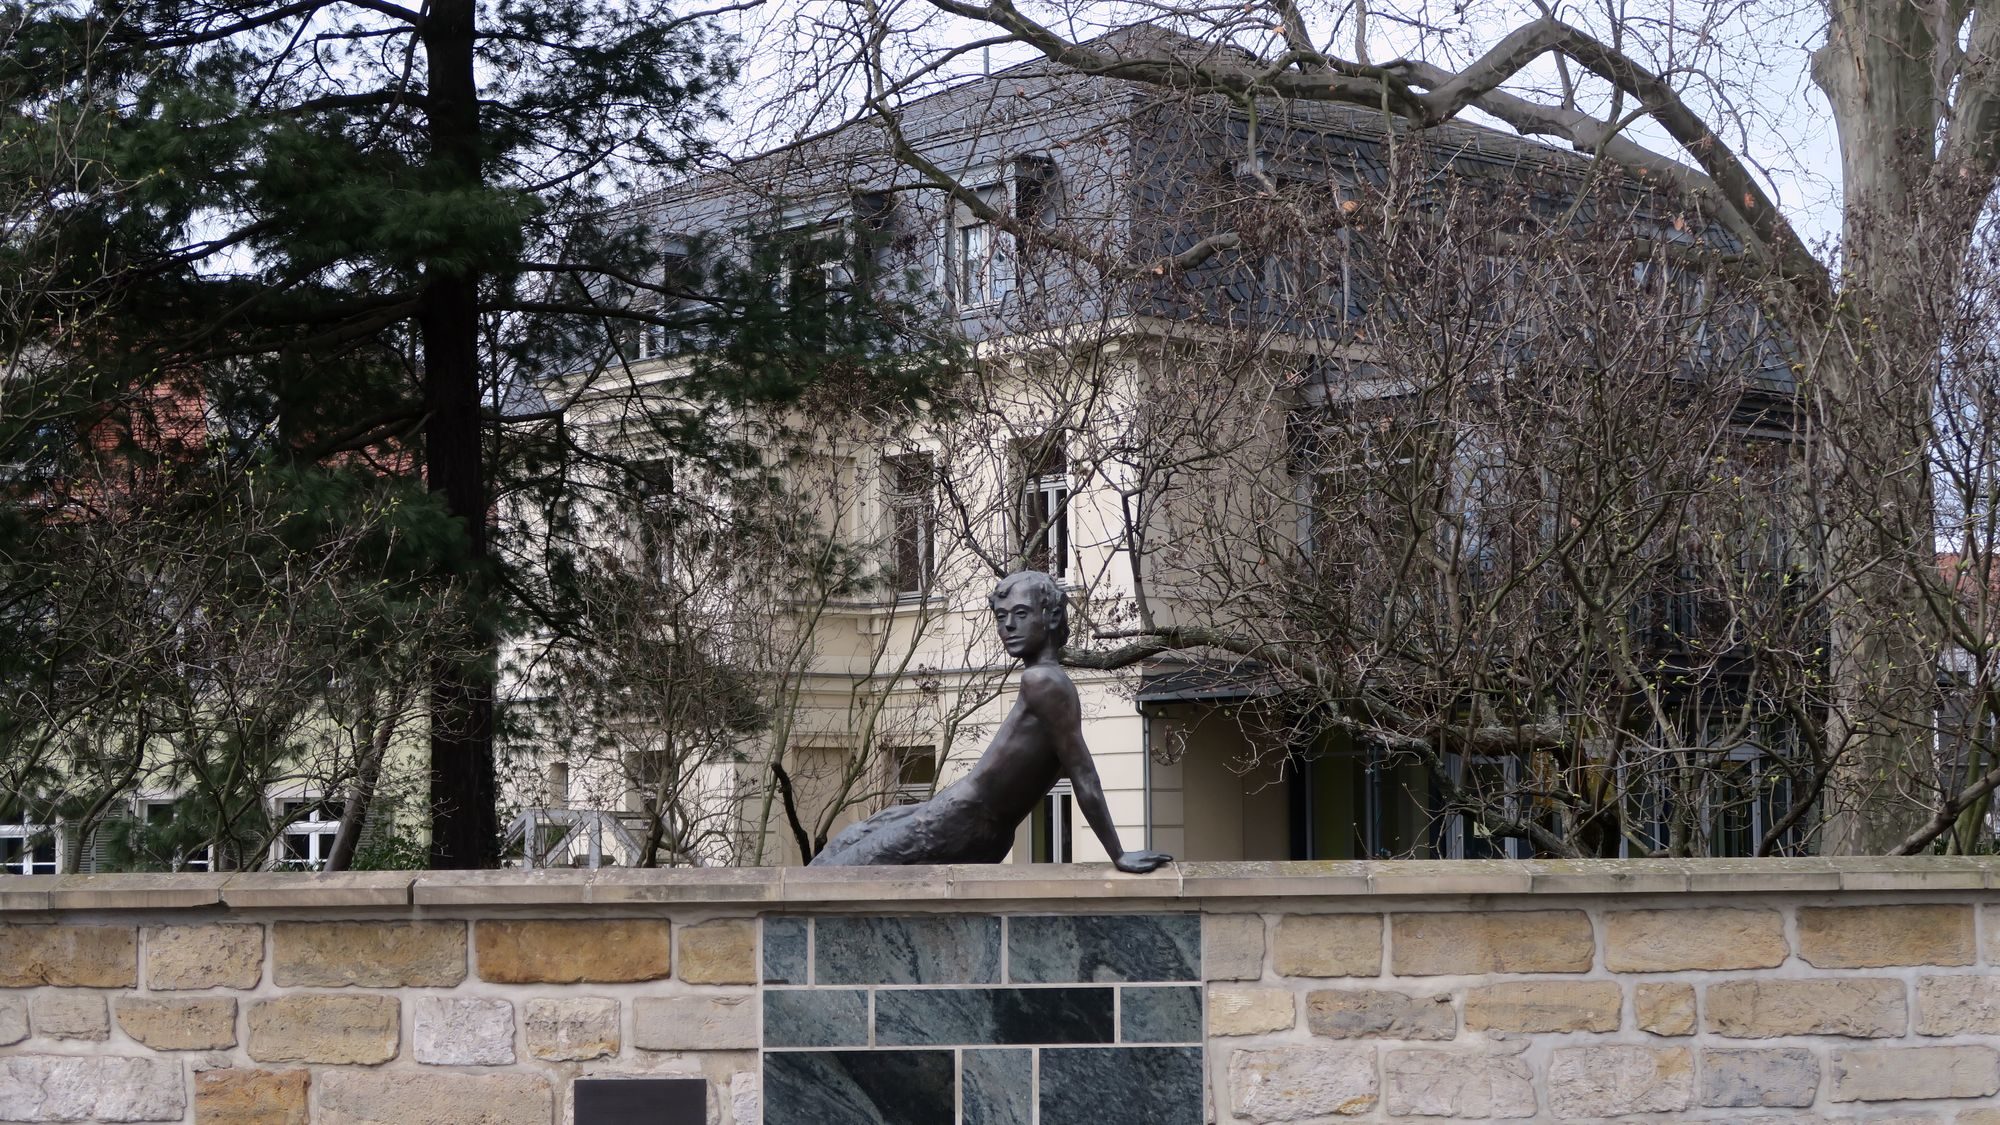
(641, 1101)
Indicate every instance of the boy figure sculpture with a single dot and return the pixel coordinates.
(973, 819)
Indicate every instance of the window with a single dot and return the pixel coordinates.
(647, 773)
(159, 818)
(1364, 482)
(916, 774)
(1724, 801)
(812, 265)
(909, 481)
(558, 785)
(982, 269)
(809, 273)
(307, 840)
(1037, 185)
(29, 849)
(1043, 515)
(661, 530)
(975, 256)
(1049, 825)
(1490, 783)
(642, 341)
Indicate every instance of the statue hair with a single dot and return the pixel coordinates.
(1047, 596)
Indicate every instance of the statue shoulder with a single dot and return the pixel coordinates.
(1042, 680)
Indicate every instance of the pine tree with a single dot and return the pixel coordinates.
(365, 225)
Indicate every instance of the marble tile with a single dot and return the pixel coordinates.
(934, 1017)
(1121, 1086)
(934, 949)
(999, 1087)
(858, 1088)
(784, 951)
(815, 1017)
(1159, 1015)
(1108, 947)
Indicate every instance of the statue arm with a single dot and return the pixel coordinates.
(1053, 700)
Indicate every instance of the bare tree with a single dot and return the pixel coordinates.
(1661, 101)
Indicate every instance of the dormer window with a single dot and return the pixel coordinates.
(982, 267)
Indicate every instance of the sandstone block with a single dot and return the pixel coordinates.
(1867, 937)
(1458, 1084)
(234, 1096)
(1665, 941)
(572, 1029)
(1242, 1010)
(217, 956)
(1370, 1013)
(319, 1027)
(1977, 1117)
(1882, 1074)
(1298, 1083)
(1613, 1080)
(1958, 1005)
(70, 1015)
(90, 1088)
(205, 1024)
(368, 954)
(1664, 1007)
(719, 952)
(13, 1020)
(1752, 1077)
(1329, 945)
(1512, 941)
(1544, 1005)
(1232, 946)
(1857, 1007)
(393, 1097)
(695, 1023)
(73, 956)
(554, 951)
(447, 1031)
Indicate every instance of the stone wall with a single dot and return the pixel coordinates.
(1789, 991)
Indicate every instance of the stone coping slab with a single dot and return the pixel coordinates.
(1082, 883)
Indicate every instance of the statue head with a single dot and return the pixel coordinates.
(1048, 627)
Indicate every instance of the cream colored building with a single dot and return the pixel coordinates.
(1099, 426)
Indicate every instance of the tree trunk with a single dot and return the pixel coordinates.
(360, 798)
(465, 829)
(1870, 393)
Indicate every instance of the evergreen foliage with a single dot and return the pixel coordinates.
(370, 245)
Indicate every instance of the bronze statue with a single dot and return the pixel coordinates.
(973, 819)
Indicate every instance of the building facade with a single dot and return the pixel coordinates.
(1163, 389)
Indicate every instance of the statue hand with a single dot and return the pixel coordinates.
(1140, 862)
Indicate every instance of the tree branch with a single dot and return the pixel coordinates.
(275, 15)
(1721, 179)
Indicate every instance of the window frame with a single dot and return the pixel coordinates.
(995, 276)
(913, 515)
(1051, 826)
(34, 837)
(1041, 511)
(318, 832)
(906, 788)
